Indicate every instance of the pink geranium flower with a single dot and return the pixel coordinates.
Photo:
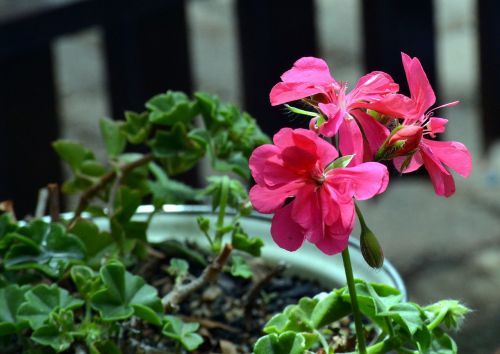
(359, 134)
(434, 155)
(310, 201)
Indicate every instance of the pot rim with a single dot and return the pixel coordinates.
(203, 209)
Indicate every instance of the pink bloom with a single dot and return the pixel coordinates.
(434, 155)
(309, 201)
(311, 77)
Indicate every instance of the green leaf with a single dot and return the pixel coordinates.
(11, 298)
(104, 347)
(170, 108)
(7, 226)
(329, 309)
(86, 280)
(99, 244)
(241, 241)
(136, 127)
(45, 247)
(42, 301)
(237, 194)
(295, 318)
(114, 138)
(57, 333)
(176, 149)
(343, 161)
(286, 343)
(441, 344)
(73, 153)
(178, 267)
(126, 294)
(240, 268)
(182, 332)
(454, 312)
(169, 191)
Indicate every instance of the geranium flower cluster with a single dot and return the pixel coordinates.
(309, 189)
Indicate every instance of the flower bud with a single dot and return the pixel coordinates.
(370, 248)
(405, 140)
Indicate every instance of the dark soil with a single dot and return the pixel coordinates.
(231, 312)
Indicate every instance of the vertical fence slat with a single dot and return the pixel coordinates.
(394, 26)
(273, 34)
(29, 123)
(489, 45)
(146, 52)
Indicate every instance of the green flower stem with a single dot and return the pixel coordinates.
(323, 341)
(361, 218)
(438, 319)
(224, 193)
(354, 301)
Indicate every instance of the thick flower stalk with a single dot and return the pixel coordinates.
(310, 200)
(359, 134)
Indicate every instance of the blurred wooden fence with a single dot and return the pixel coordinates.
(146, 52)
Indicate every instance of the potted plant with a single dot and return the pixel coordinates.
(116, 276)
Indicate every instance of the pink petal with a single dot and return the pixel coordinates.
(337, 235)
(267, 200)
(310, 70)
(375, 132)
(420, 88)
(442, 180)
(276, 173)
(330, 208)
(415, 163)
(351, 141)
(373, 86)
(437, 125)
(285, 232)
(284, 92)
(452, 154)
(283, 138)
(258, 158)
(393, 105)
(312, 143)
(335, 118)
(307, 213)
(362, 181)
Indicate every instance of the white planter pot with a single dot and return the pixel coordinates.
(179, 222)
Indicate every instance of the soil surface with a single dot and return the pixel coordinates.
(232, 311)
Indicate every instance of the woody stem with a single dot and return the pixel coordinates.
(354, 301)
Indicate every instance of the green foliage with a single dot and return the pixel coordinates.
(240, 268)
(45, 247)
(42, 301)
(177, 149)
(171, 108)
(182, 332)
(404, 324)
(98, 244)
(124, 295)
(285, 343)
(11, 298)
(241, 241)
(113, 136)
